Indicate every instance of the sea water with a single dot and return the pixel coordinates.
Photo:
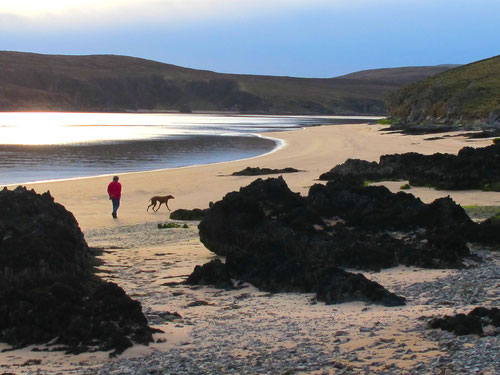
(48, 146)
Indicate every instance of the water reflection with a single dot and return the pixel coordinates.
(44, 128)
(35, 163)
(42, 146)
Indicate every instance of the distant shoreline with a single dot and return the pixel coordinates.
(229, 113)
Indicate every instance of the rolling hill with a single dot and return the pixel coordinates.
(468, 95)
(30, 82)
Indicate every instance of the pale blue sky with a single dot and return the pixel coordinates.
(307, 38)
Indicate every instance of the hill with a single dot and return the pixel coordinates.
(398, 76)
(468, 95)
(119, 83)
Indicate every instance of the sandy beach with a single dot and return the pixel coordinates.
(314, 150)
(247, 331)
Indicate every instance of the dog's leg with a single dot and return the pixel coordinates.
(166, 204)
(152, 204)
(158, 206)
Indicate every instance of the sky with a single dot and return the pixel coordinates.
(302, 38)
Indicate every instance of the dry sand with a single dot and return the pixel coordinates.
(250, 327)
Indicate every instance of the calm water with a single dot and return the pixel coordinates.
(46, 146)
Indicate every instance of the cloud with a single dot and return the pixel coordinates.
(62, 14)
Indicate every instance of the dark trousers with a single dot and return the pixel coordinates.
(116, 204)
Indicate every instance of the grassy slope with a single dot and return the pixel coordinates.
(402, 75)
(463, 95)
(108, 82)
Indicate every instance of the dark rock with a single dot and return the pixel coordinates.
(353, 167)
(48, 288)
(264, 231)
(430, 235)
(487, 232)
(237, 219)
(471, 168)
(486, 133)
(493, 314)
(250, 171)
(198, 303)
(187, 215)
(472, 323)
(282, 242)
(368, 207)
(337, 286)
(212, 273)
(459, 324)
(421, 130)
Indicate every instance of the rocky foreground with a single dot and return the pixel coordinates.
(244, 331)
(48, 288)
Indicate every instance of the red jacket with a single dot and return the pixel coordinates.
(115, 190)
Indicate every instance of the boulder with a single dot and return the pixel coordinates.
(48, 288)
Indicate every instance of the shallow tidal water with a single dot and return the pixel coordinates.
(48, 146)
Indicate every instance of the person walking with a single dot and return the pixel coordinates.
(115, 193)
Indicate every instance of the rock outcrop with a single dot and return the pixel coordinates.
(471, 168)
(48, 288)
(280, 241)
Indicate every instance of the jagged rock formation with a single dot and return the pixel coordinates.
(48, 289)
(250, 171)
(280, 241)
(471, 168)
(120, 83)
(463, 96)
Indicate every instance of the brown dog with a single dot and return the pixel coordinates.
(154, 200)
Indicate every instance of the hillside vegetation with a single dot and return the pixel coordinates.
(120, 83)
(467, 95)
